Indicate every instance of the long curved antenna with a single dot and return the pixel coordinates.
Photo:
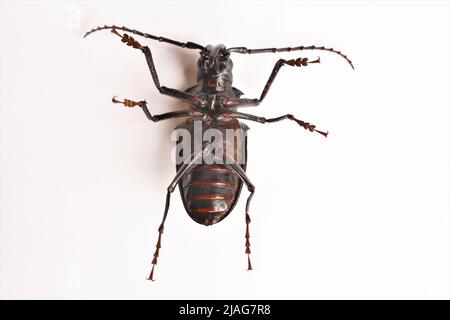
(287, 49)
(188, 45)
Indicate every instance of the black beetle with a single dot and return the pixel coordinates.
(210, 190)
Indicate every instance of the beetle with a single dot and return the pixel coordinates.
(210, 190)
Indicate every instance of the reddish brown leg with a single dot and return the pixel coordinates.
(129, 103)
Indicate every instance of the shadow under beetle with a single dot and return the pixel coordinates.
(210, 191)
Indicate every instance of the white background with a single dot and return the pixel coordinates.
(362, 214)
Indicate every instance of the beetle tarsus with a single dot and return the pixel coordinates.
(247, 240)
(129, 103)
(150, 277)
(299, 62)
(156, 254)
(128, 40)
(307, 125)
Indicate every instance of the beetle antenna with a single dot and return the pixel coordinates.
(245, 50)
(187, 45)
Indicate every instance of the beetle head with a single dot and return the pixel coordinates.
(214, 66)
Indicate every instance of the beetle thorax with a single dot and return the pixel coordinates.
(215, 68)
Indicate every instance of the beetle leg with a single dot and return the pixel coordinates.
(235, 102)
(180, 173)
(303, 124)
(231, 163)
(177, 94)
(158, 117)
(169, 115)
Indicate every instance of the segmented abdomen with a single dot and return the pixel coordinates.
(209, 192)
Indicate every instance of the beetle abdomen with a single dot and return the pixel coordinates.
(209, 192)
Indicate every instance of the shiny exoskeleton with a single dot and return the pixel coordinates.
(210, 191)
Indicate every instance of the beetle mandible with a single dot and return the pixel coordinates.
(210, 191)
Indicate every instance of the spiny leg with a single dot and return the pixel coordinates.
(180, 173)
(158, 117)
(306, 125)
(177, 94)
(234, 102)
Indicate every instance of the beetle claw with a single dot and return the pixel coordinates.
(249, 267)
(150, 277)
(114, 100)
(325, 134)
(315, 61)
